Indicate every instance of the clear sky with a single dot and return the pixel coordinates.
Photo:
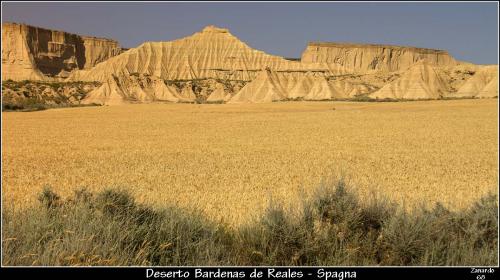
(469, 31)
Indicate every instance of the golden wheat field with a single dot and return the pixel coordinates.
(230, 160)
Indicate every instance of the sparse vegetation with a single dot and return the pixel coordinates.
(333, 227)
(39, 95)
(30, 106)
(214, 102)
(367, 98)
(202, 88)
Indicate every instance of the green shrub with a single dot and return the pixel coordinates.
(48, 198)
(333, 227)
(108, 228)
(11, 107)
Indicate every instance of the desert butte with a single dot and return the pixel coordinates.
(214, 66)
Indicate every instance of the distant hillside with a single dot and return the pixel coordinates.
(213, 65)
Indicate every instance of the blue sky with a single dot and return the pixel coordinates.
(469, 31)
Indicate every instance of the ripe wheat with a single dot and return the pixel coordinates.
(231, 159)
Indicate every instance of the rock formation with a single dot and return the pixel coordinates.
(211, 53)
(215, 66)
(34, 53)
(480, 81)
(490, 90)
(271, 86)
(264, 88)
(367, 57)
(421, 81)
(219, 94)
(22, 95)
(141, 88)
(322, 90)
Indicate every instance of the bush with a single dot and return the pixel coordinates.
(11, 107)
(333, 227)
(48, 198)
(30, 96)
(108, 229)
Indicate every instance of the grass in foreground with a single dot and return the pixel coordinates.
(332, 228)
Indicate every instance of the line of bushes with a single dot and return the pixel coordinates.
(53, 84)
(30, 106)
(366, 98)
(332, 228)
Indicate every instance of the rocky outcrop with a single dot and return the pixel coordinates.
(34, 53)
(31, 94)
(266, 87)
(98, 50)
(490, 90)
(481, 84)
(141, 88)
(211, 53)
(367, 57)
(270, 86)
(421, 81)
(219, 94)
(215, 66)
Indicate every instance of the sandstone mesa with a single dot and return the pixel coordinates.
(214, 66)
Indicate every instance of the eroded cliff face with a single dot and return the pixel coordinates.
(34, 53)
(327, 71)
(215, 66)
(366, 57)
(211, 53)
(98, 50)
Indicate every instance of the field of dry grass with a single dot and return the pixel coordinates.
(229, 160)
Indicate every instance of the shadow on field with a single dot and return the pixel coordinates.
(332, 228)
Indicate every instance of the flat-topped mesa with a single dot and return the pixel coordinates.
(35, 53)
(359, 45)
(366, 57)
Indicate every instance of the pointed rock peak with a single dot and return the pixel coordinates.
(214, 29)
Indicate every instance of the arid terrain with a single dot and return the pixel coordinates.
(229, 160)
(205, 151)
(214, 66)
